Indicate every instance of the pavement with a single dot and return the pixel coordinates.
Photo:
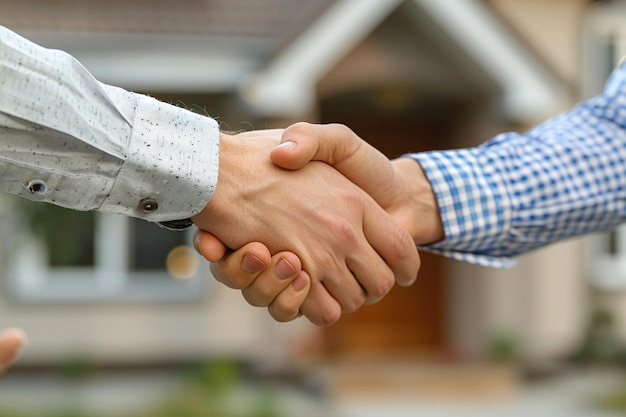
(395, 390)
(571, 394)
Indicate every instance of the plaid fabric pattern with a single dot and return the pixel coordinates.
(519, 192)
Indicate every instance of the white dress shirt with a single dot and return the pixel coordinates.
(67, 139)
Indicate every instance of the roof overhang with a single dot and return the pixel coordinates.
(161, 63)
(287, 85)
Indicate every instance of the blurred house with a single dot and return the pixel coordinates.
(406, 75)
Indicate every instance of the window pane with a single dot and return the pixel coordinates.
(68, 235)
(150, 245)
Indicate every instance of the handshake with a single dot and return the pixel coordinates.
(323, 222)
(309, 220)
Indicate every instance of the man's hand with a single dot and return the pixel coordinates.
(254, 271)
(12, 341)
(399, 186)
(350, 247)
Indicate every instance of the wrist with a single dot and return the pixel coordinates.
(423, 221)
(224, 190)
(246, 176)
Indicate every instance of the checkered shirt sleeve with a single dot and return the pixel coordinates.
(519, 192)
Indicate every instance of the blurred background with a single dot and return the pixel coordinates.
(124, 319)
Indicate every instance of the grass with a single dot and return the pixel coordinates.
(211, 390)
(614, 401)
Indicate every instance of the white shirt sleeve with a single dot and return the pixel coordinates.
(70, 140)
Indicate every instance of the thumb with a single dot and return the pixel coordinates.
(340, 147)
(299, 145)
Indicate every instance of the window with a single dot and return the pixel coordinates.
(605, 45)
(63, 255)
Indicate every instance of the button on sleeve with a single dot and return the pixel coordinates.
(171, 167)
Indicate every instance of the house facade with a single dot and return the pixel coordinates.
(406, 75)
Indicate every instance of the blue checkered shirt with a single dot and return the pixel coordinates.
(519, 192)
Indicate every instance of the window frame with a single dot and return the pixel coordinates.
(31, 279)
(604, 46)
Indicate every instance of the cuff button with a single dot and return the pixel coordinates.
(36, 187)
(148, 205)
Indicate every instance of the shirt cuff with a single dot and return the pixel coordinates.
(472, 206)
(172, 164)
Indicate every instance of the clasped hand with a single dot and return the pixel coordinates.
(320, 245)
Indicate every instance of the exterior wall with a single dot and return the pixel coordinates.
(557, 301)
(542, 301)
(122, 333)
(551, 28)
(542, 304)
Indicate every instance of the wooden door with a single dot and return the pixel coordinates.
(408, 320)
(411, 319)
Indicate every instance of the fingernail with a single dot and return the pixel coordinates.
(284, 269)
(289, 145)
(299, 283)
(196, 240)
(251, 264)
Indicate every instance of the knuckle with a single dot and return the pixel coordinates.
(300, 128)
(356, 199)
(230, 278)
(349, 142)
(323, 262)
(341, 128)
(326, 317)
(384, 284)
(217, 274)
(265, 295)
(405, 255)
(354, 304)
(257, 297)
(284, 309)
(252, 300)
(402, 243)
(234, 282)
(282, 314)
(414, 272)
(343, 229)
(283, 319)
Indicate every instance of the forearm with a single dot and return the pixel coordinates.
(97, 147)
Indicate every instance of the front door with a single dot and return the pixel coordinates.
(408, 320)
